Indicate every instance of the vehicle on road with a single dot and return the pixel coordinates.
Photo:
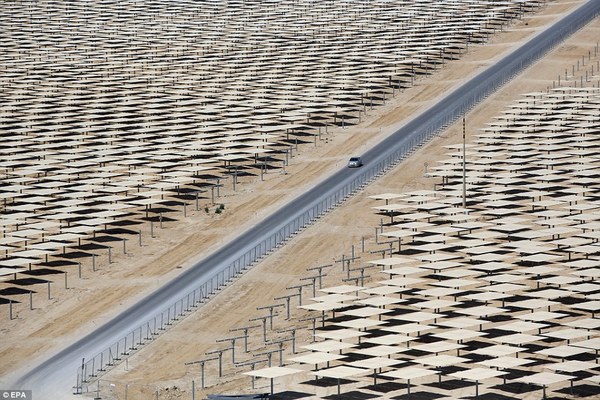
(355, 162)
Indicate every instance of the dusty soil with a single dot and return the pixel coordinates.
(100, 295)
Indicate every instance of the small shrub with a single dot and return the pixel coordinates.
(218, 211)
(221, 206)
(206, 210)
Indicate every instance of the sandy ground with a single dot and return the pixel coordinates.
(99, 295)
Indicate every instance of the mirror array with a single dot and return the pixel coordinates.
(495, 298)
(116, 113)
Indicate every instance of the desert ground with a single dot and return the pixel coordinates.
(159, 368)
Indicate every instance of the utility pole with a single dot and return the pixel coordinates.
(464, 160)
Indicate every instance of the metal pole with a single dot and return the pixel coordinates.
(220, 364)
(82, 370)
(202, 374)
(464, 200)
(235, 178)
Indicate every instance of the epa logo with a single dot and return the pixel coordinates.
(16, 394)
